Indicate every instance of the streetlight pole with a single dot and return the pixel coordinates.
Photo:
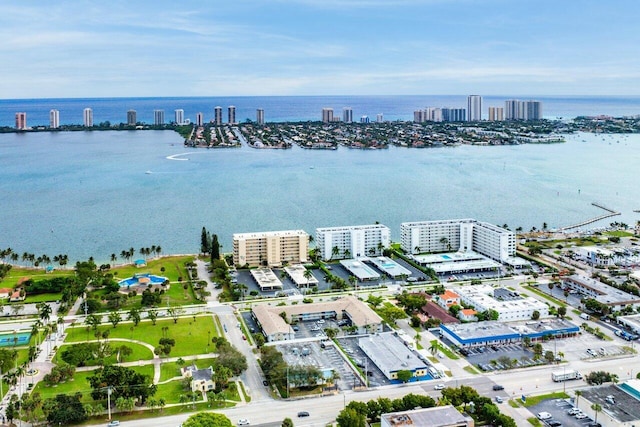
(109, 401)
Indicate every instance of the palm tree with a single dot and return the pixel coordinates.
(114, 257)
(578, 394)
(347, 254)
(416, 250)
(307, 275)
(596, 408)
(335, 251)
(445, 242)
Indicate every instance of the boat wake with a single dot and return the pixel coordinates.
(178, 157)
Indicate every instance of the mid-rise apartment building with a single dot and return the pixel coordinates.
(352, 241)
(270, 248)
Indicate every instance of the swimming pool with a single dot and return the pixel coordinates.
(446, 257)
(142, 279)
(20, 338)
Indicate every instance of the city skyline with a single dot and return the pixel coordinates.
(308, 47)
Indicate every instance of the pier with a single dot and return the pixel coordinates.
(610, 213)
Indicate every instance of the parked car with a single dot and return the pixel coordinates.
(554, 423)
(113, 423)
(243, 422)
(498, 399)
(303, 414)
(573, 411)
(438, 387)
(581, 416)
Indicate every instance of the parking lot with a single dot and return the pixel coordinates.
(244, 277)
(491, 358)
(324, 356)
(375, 376)
(559, 410)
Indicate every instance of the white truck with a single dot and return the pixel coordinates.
(566, 375)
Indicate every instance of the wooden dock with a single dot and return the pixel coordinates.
(610, 213)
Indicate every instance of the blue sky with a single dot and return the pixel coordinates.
(313, 47)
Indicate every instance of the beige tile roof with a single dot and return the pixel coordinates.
(272, 323)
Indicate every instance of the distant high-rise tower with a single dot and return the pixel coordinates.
(347, 115)
(327, 115)
(21, 121)
(260, 116)
(474, 108)
(232, 114)
(87, 116)
(496, 114)
(453, 114)
(512, 109)
(54, 119)
(179, 116)
(158, 117)
(418, 116)
(364, 119)
(217, 116)
(199, 119)
(380, 118)
(132, 117)
(532, 110)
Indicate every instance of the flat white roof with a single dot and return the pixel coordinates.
(266, 278)
(263, 234)
(296, 272)
(456, 262)
(390, 267)
(389, 353)
(359, 269)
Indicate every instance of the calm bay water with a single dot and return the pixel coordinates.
(88, 193)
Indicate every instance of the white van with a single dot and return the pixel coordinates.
(543, 416)
(585, 316)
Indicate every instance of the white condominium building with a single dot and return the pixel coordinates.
(352, 241)
(458, 235)
(270, 248)
(474, 108)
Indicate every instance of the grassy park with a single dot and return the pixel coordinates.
(190, 333)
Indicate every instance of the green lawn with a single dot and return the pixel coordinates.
(170, 391)
(534, 400)
(190, 336)
(32, 299)
(140, 352)
(18, 273)
(80, 384)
